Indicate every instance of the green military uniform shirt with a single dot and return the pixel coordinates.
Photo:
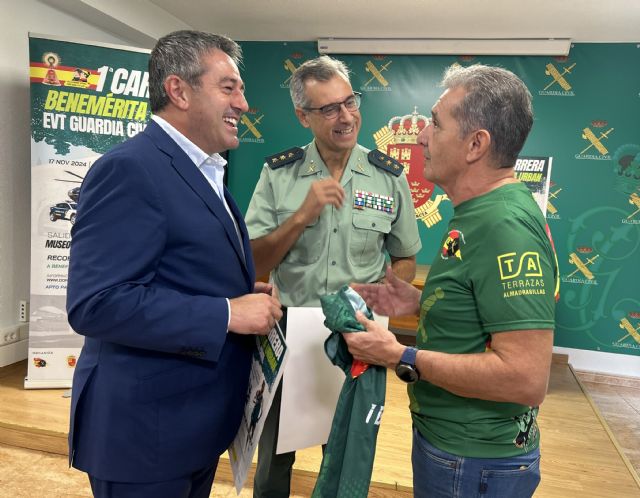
(343, 245)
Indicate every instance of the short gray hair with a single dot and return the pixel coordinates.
(497, 101)
(180, 53)
(321, 68)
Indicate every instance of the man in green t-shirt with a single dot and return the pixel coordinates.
(322, 216)
(485, 333)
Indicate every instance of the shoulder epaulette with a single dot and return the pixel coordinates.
(285, 157)
(385, 162)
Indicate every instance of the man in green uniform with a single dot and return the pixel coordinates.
(485, 333)
(323, 216)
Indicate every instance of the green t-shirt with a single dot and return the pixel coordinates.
(343, 245)
(496, 272)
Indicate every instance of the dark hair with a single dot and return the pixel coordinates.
(497, 101)
(181, 53)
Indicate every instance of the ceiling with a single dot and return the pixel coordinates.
(584, 20)
(143, 21)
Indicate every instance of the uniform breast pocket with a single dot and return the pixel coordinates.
(309, 246)
(367, 237)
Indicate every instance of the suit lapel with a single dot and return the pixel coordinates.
(242, 227)
(199, 184)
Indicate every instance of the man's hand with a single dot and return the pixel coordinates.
(255, 313)
(376, 346)
(394, 297)
(321, 193)
(264, 288)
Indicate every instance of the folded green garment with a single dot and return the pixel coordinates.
(348, 458)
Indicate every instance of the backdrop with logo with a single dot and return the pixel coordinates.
(85, 98)
(88, 97)
(586, 117)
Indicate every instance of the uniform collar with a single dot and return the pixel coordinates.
(314, 164)
(358, 162)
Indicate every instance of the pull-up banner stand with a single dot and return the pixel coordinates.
(85, 98)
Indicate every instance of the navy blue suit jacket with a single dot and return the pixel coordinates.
(160, 385)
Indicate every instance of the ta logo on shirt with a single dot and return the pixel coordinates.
(528, 265)
(519, 274)
(452, 245)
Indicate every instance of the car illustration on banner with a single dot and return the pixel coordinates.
(63, 211)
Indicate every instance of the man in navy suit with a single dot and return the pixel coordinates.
(161, 284)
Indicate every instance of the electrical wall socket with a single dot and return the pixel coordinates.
(23, 311)
(9, 335)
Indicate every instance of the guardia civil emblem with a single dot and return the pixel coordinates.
(632, 331)
(399, 139)
(596, 148)
(634, 199)
(558, 83)
(554, 192)
(251, 132)
(377, 81)
(290, 66)
(582, 258)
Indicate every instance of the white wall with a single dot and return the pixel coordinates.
(17, 20)
(596, 361)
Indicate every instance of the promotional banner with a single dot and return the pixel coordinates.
(85, 98)
(586, 108)
(535, 173)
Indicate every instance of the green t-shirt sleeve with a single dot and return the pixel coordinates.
(403, 240)
(261, 218)
(514, 281)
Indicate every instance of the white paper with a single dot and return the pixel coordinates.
(311, 383)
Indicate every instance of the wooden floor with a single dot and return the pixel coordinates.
(580, 458)
(618, 399)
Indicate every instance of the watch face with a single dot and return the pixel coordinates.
(407, 373)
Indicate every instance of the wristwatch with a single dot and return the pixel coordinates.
(406, 368)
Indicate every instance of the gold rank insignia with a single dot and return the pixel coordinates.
(385, 162)
(285, 157)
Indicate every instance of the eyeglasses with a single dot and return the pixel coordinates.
(330, 111)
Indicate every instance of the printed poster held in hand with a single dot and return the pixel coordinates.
(267, 366)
